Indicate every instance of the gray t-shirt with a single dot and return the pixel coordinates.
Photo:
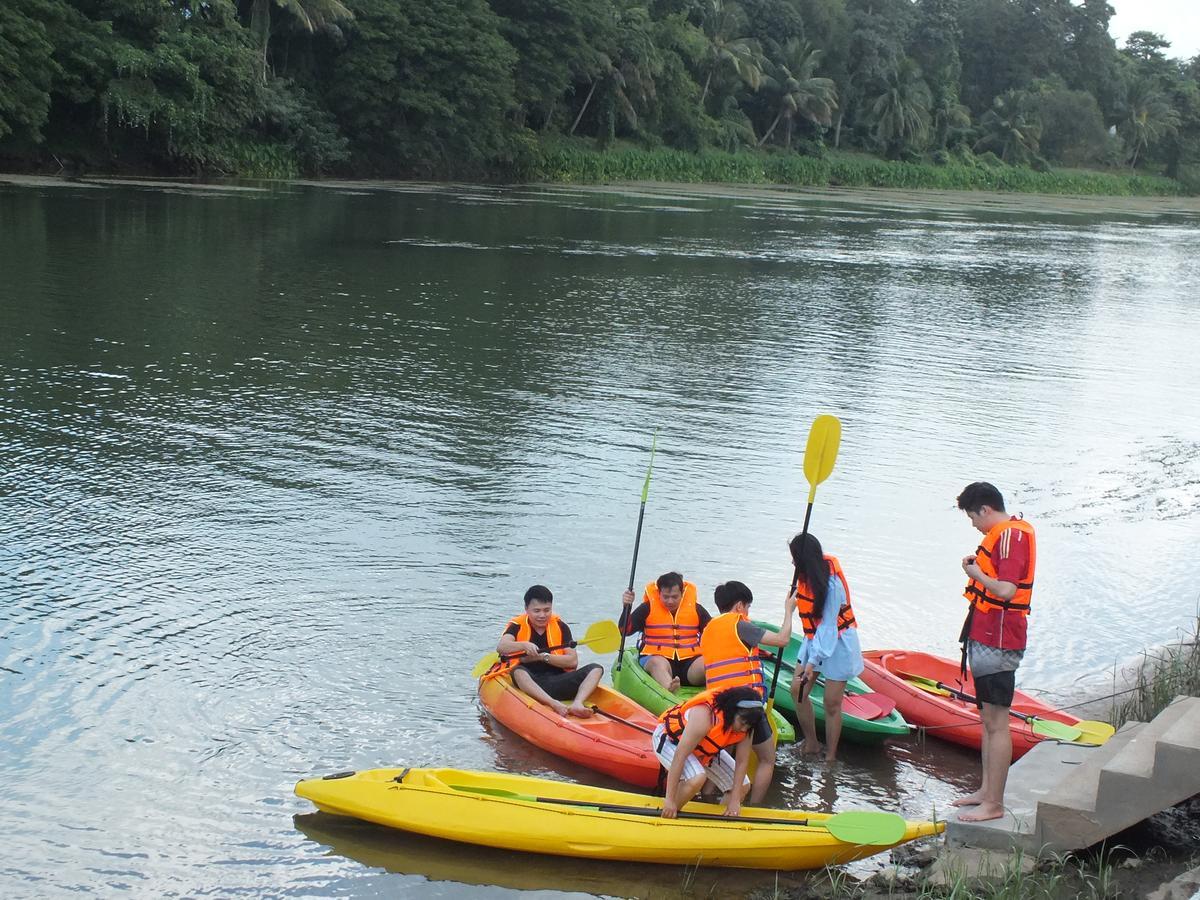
(750, 634)
(985, 660)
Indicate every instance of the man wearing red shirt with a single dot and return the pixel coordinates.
(1000, 584)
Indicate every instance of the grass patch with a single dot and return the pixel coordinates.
(1163, 675)
(573, 163)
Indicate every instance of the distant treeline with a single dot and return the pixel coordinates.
(505, 88)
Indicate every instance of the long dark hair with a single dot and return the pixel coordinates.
(812, 569)
(726, 704)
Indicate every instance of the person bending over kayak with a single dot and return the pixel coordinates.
(693, 739)
(670, 621)
(537, 649)
(729, 646)
(830, 644)
(999, 587)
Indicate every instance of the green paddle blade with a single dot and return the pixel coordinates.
(649, 468)
(866, 827)
(1049, 728)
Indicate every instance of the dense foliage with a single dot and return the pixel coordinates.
(509, 88)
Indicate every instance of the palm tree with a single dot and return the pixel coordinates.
(1011, 128)
(743, 55)
(901, 112)
(799, 92)
(311, 15)
(1149, 117)
(629, 78)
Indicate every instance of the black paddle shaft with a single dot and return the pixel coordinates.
(645, 811)
(616, 718)
(637, 542)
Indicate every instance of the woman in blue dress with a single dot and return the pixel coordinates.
(830, 646)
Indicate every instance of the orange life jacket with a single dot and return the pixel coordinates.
(525, 633)
(981, 598)
(806, 606)
(720, 737)
(673, 636)
(727, 661)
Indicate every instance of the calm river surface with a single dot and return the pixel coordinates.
(278, 465)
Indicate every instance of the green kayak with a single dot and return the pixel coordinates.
(859, 730)
(632, 681)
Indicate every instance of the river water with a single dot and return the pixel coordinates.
(279, 463)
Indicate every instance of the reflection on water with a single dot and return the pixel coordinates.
(280, 463)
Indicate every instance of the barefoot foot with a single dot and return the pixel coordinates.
(809, 748)
(673, 686)
(983, 813)
(970, 800)
(560, 708)
(580, 712)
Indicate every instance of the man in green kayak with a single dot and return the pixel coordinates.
(670, 621)
(538, 651)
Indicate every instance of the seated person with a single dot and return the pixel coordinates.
(537, 649)
(670, 621)
(693, 739)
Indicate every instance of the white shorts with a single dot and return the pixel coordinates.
(719, 771)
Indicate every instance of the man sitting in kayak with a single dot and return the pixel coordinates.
(538, 650)
(670, 621)
(729, 646)
(693, 740)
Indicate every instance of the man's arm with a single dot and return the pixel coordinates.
(780, 638)
(509, 645)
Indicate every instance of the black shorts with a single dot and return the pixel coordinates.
(563, 685)
(679, 667)
(762, 731)
(996, 689)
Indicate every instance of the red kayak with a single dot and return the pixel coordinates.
(617, 744)
(948, 717)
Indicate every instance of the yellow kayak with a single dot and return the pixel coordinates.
(516, 812)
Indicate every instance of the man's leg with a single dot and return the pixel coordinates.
(695, 672)
(997, 755)
(525, 682)
(658, 668)
(593, 673)
(765, 751)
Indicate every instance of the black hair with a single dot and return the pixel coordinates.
(670, 579)
(540, 593)
(727, 594)
(979, 494)
(811, 570)
(726, 705)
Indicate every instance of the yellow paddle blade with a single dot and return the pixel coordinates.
(602, 637)
(821, 451)
(485, 663)
(1094, 732)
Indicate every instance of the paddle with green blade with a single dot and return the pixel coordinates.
(602, 637)
(1047, 728)
(860, 827)
(637, 540)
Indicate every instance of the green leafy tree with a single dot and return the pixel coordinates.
(721, 22)
(799, 92)
(310, 16)
(879, 30)
(626, 79)
(27, 67)
(1073, 131)
(936, 36)
(901, 112)
(1011, 129)
(1149, 118)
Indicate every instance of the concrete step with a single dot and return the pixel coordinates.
(1030, 780)
(1156, 767)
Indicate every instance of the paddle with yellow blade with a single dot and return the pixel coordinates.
(637, 538)
(602, 637)
(860, 827)
(824, 438)
(1091, 732)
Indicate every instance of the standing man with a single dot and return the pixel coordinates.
(999, 587)
(670, 620)
(729, 645)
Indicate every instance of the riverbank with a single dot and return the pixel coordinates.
(574, 163)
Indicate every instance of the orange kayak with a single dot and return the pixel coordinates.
(617, 744)
(948, 718)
